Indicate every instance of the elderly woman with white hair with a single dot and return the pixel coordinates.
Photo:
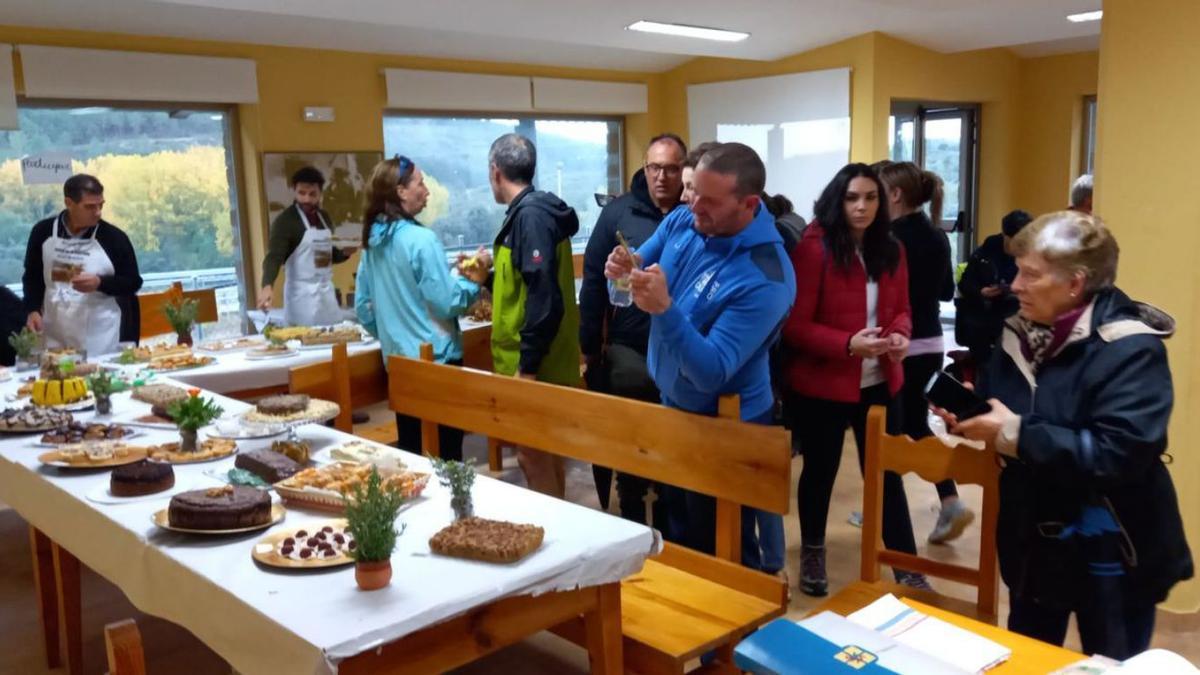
(1081, 395)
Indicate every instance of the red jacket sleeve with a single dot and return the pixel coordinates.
(802, 332)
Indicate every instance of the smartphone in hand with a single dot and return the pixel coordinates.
(949, 394)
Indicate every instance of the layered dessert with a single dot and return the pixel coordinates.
(267, 465)
(283, 404)
(487, 540)
(141, 478)
(223, 508)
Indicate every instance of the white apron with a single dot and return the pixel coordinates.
(90, 321)
(308, 295)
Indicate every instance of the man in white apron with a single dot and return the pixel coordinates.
(301, 243)
(81, 275)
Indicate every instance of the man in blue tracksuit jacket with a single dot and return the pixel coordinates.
(718, 284)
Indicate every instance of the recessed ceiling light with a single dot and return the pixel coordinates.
(1085, 16)
(681, 30)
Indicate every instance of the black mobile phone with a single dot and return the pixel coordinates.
(948, 393)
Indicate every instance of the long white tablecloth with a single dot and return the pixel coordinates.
(273, 622)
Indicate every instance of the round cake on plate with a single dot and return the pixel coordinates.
(283, 404)
(229, 507)
(141, 478)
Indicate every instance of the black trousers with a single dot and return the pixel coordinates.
(915, 409)
(821, 425)
(450, 439)
(1117, 630)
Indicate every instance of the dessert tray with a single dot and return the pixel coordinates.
(315, 546)
(219, 346)
(187, 361)
(493, 541)
(93, 455)
(239, 430)
(208, 450)
(267, 353)
(101, 494)
(317, 411)
(322, 488)
(30, 420)
(79, 432)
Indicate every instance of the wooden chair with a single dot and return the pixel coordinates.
(123, 643)
(683, 603)
(154, 322)
(934, 461)
(350, 381)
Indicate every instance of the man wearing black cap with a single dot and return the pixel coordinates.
(986, 299)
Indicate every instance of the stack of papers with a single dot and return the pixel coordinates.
(1151, 662)
(956, 646)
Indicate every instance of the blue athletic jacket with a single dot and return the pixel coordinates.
(729, 297)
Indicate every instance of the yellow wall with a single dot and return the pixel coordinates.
(1145, 191)
(351, 82)
(1047, 149)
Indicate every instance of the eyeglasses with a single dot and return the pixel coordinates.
(668, 169)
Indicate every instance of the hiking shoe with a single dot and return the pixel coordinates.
(812, 571)
(952, 520)
(912, 579)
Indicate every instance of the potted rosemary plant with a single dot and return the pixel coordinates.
(103, 386)
(181, 314)
(25, 346)
(371, 512)
(459, 477)
(190, 414)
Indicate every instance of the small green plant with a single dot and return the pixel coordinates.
(181, 314)
(23, 343)
(128, 357)
(371, 512)
(459, 477)
(194, 412)
(104, 384)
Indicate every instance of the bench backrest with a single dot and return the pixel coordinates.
(352, 382)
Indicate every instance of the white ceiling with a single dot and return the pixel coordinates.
(581, 33)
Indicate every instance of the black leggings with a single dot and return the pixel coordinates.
(820, 425)
(915, 409)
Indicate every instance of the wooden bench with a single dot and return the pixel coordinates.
(934, 461)
(154, 321)
(683, 603)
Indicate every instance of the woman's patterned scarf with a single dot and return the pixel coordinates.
(1039, 341)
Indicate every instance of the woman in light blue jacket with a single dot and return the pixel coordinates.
(405, 294)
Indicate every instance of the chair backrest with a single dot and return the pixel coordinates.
(123, 644)
(154, 322)
(350, 381)
(934, 461)
(736, 462)
(578, 260)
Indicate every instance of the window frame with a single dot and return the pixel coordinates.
(1087, 141)
(233, 165)
(535, 116)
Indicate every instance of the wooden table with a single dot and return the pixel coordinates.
(1029, 656)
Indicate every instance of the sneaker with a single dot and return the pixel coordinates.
(855, 519)
(812, 571)
(952, 520)
(912, 580)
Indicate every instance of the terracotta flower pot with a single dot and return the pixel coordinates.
(372, 576)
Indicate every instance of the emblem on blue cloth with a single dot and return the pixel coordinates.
(855, 657)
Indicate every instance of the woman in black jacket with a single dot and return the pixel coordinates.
(930, 281)
(1089, 521)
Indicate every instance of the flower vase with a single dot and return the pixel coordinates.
(184, 338)
(463, 506)
(372, 576)
(187, 440)
(103, 404)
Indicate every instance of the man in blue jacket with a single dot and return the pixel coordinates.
(718, 284)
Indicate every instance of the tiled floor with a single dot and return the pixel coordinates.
(169, 646)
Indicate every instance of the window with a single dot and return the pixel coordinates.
(577, 158)
(1088, 145)
(167, 184)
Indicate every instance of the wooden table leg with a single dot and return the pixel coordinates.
(495, 454)
(66, 570)
(46, 587)
(603, 628)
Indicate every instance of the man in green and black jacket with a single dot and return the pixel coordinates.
(535, 322)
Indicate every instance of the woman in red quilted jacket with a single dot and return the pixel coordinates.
(845, 342)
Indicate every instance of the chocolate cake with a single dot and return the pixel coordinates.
(283, 404)
(225, 508)
(267, 465)
(141, 478)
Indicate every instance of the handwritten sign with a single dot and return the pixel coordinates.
(46, 168)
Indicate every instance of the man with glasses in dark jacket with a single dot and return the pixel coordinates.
(614, 339)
